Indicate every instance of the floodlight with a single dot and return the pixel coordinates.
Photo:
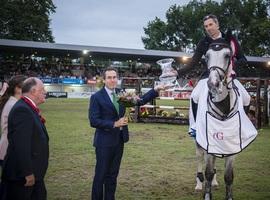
(185, 58)
(85, 51)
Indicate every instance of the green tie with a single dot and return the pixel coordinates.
(115, 103)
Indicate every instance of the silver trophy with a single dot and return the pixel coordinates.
(168, 76)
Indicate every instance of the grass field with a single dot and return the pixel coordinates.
(158, 163)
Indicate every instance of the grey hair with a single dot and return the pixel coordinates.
(28, 84)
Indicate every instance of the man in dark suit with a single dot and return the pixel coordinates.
(110, 135)
(27, 155)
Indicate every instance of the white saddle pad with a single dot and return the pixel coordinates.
(223, 137)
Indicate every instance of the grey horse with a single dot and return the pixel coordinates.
(219, 104)
(221, 101)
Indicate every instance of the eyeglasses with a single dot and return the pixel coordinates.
(210, 17)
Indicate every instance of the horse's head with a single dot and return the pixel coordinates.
(218, 60)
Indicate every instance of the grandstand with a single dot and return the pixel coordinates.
(77, 68)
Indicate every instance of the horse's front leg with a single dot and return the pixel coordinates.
(228, 176)
(200, 161)
(214, 180)
(209, 174)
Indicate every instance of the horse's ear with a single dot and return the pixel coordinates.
(228, 35)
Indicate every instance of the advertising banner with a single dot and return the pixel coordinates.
(57, 95)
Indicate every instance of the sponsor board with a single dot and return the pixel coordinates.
(57, 95)
(79, 94)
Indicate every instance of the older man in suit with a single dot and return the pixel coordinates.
(26, 161)
(107, 116)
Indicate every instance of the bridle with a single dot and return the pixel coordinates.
(218, 47)
(223, 76)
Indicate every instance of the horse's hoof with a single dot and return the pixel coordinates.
(207, 196)
(199, 185)
(198, 189)
(214, 183)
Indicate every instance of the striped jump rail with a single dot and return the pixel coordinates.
(165, 107)
(171, 98)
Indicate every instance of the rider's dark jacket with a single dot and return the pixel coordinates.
(202, 47)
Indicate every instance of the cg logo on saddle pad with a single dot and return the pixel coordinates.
(218, 136)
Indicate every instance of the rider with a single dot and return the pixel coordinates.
(213, 35)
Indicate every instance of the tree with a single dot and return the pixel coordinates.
(251, 24)
(26, 20)
(249, 21)
(183, 27)
(155, 35)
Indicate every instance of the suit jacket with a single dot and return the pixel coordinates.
(102, 115)
(28, 149)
